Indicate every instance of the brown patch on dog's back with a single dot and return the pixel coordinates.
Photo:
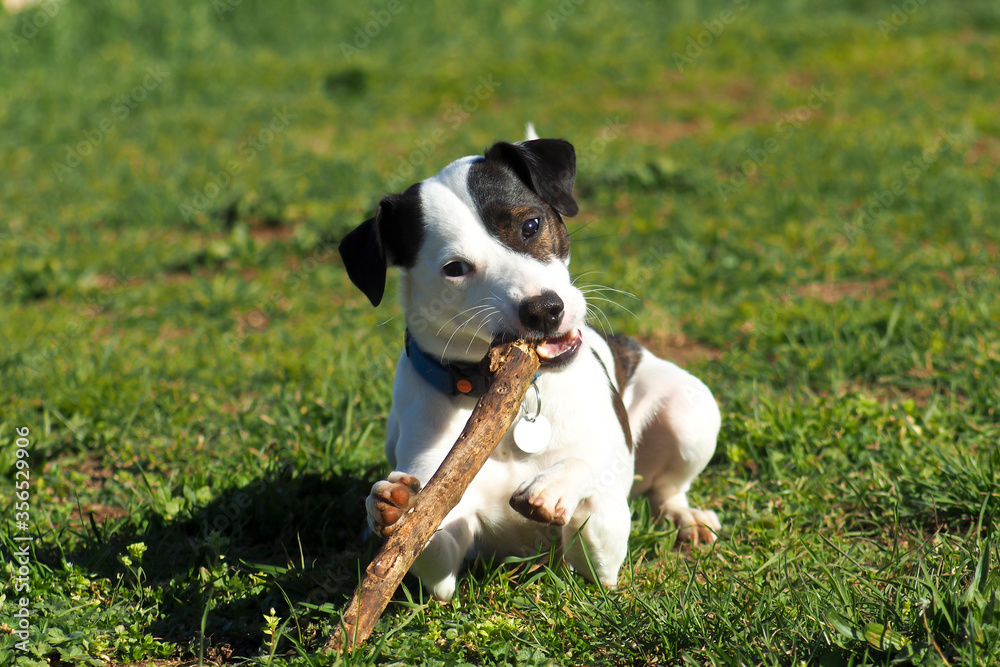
(622, 413)
(626, 351)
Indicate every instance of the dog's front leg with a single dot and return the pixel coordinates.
(595, 525)
(553, 495)
(441, 560)
(439, 563)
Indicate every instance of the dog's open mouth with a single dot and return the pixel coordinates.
(559, 350)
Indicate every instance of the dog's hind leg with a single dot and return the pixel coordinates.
(677, 421)
(679, 458)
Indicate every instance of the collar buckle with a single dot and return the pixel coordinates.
(453, 379)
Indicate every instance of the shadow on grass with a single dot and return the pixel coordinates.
(294, 543)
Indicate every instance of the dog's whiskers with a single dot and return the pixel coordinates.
(597, 293)
(597, 313)
(486, 319)
(455, 332)
(474, 310)
(484, 311)
(613, 302)
(587, 289)
(477, 307)
(577, 277)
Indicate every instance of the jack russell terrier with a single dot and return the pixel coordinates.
(484, 256)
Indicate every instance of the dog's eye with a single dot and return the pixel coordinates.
(456, 269)
(530, 228)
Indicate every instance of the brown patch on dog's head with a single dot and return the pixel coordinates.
(521, 192)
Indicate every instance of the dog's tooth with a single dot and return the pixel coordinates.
(550, 349)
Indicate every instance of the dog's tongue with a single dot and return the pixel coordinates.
(554, 347)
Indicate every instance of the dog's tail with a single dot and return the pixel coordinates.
(529, 132)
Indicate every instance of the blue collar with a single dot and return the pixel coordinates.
(454, 379)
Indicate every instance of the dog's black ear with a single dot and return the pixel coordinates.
(364, 254)
(392, 237)
(547, 166)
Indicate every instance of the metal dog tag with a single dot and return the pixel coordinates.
(532, 433)
(532, 437)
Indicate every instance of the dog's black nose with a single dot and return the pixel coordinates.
(542, 314)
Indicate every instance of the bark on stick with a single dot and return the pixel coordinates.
(513, 366)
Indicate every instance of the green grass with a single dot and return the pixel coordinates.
(199, 377)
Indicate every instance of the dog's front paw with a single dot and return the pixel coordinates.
(389, 500)
(694, 525)
(541, 501)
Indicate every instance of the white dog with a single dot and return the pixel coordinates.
(484, 254)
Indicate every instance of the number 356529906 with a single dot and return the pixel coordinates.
(22, 475)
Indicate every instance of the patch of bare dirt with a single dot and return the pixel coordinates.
(679, 349)
(664, 132)
(838, 291)
(96, 476)
(82, 513)
(886, 391)
(107, 282)
(267, 232)
(170, 332)
(985, 152)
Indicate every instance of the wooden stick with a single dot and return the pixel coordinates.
(513, 366)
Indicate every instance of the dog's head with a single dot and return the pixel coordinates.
(484, 253)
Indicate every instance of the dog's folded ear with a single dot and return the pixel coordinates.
(364, 255)
(547, 166)
(392, 237)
